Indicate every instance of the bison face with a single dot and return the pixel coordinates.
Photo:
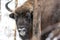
(24, 22)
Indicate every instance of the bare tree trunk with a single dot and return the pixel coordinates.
(36, 21)
(39, 20)
(15, 33)
(0, 10)
(16, 4)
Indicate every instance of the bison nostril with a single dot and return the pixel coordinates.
(19, 30)
(58, 39)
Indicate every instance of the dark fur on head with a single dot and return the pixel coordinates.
(24, 19)
(50, 15)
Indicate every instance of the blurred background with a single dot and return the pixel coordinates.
(7, 25)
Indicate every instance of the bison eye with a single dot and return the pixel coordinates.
(29, 15)
(12, 15)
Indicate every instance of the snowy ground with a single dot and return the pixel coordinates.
(7, 25)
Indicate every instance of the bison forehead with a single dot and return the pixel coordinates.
(25, 7)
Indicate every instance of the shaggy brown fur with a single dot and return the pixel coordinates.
(50, 13)
(24, 19)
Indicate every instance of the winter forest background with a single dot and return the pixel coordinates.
(7, 25)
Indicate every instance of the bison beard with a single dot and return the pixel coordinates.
(50, 15)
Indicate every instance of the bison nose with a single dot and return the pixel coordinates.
(21, 27)
(22, 31)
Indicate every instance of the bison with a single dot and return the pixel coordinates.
(23, 15)
(24, 19)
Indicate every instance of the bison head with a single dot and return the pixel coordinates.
(24, 21)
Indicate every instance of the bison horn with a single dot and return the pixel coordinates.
(7, 6)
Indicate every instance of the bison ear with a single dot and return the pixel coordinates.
(12, 15)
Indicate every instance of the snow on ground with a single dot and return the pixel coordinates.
(7, 25)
